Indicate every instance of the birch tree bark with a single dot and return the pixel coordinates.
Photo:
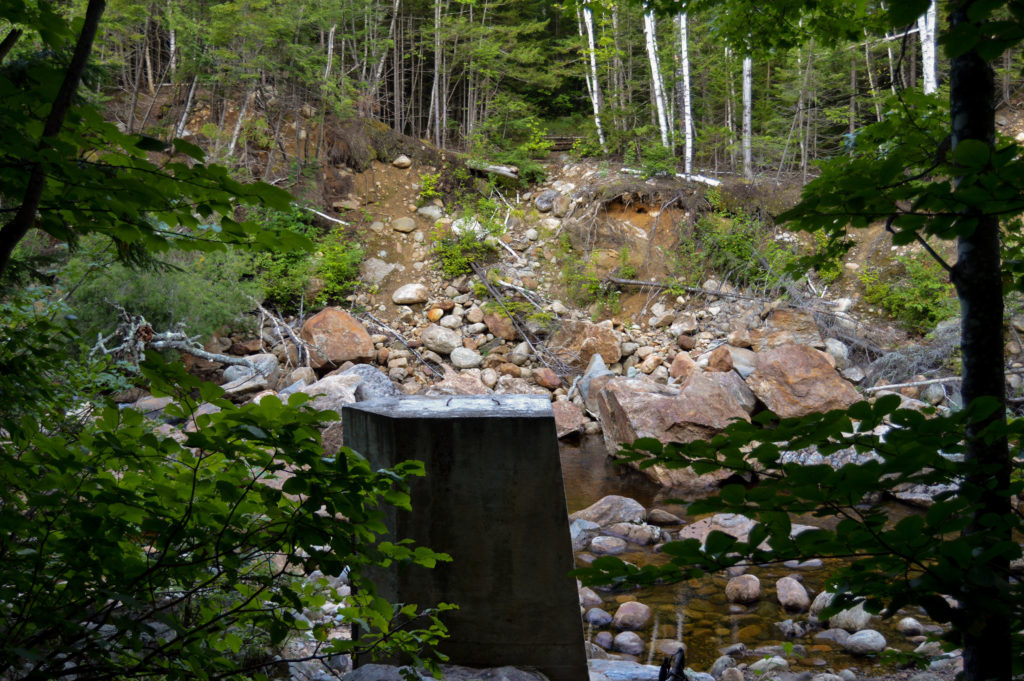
(382, 54)
(927, 34)
(748, 104)
(434, 116)
(593, 84)
(650, 32)
(686, 110)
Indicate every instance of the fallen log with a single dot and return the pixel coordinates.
(511, 172)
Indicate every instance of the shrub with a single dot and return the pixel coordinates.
(918, 293)
(587, 146)
(338, 266)
(430, 188)
(625, 269)
(202, 291)
(582, 285)
(743, 250)
(129, 553)
(283, 277)
(656, 159)
(456, 252)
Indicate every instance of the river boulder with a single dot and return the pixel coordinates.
(612, 509)
(569, 419)
(786, 326)
(338, 338)
(576, 342)
(743, 589)
(632, 616)
(866, 642)
(632, 408)
(441, 340)
(796, 380)
(629, 643)
(792, 594)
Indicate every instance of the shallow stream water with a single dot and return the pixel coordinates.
(697, 611)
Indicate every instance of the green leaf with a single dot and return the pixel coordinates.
(147, 143)
(972, 153)
(189, 149)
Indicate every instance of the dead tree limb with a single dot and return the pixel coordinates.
(136, 335)
(688, 289)
(384, 327)
(930, 381)
(510, 172)
(549, 359)
(304, 348)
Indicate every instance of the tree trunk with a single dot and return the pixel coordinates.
(180, 128)
(685, 104)
(650, 33)
(871, 79)
(8, 42)
(593, 84)
(984, 616)
(15, 230)
(853, 100)
(618, 72)
(382, 55)
(435, 92)
(172, 48)
(748, 99)
(240, 122)
(804, 118)
(926, 31)
(730, 109)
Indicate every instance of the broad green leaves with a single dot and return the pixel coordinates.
(136, 190)
(128, 551)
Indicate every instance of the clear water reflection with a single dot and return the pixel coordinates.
(697, 611)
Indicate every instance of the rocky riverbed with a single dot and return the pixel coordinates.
(762, 618)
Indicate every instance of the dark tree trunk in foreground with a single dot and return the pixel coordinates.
(984, 616)
(15, 230)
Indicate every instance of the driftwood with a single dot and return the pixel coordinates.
(384, 327)
(688, 289)
(325, 216)
(304, 348)
(702, 179)
(136, 335)
(931, 381)
(511, 172)
(549, 359)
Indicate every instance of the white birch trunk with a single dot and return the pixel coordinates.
(435, 93)
(382, 55)
(658, 86)
(593, 83)
(685, 104)
(748, 103)
(179, 130)
(926, 32)
(172, 48)
(330, 52)
(241, 121)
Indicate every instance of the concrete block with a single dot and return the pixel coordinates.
(492, 498)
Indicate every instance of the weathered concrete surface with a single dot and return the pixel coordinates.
(493, 499)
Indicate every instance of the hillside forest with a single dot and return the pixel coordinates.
(263, 83)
